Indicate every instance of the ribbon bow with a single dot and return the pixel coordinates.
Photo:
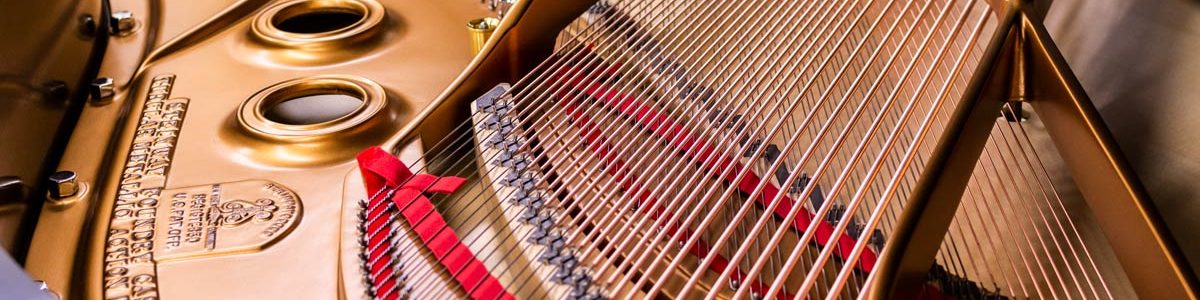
(383, 172)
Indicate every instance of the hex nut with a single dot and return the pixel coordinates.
(63, 184)
(102, 89)
(122, 23)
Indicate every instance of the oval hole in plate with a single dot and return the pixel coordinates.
(312, 109)
(317, 20)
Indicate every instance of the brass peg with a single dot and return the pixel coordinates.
(481, 29)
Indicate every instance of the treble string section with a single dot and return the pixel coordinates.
(1024, 152)
(1035, 218)
(660, 160)
(741, 141)
(684, 87)
(1010, 192)
(699, 159)
(858, 112)
(922, 135)
(978, 237)
(958, 284)
(801, 194)
(1037, 166)
(861, 148)
(742, 249)
(842, 213)
(899, 177)
(694, 247)
(742, 174)
(1013, 181)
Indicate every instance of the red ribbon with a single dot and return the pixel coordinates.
(382, 171)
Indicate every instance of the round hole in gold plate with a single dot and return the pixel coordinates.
(312, 106)
(305, 23)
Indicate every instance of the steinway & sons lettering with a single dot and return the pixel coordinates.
(129, 271)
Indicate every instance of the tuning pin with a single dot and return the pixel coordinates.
(599, 7)
(877, 239)
(546, 223)
(581, 279)
(506, 130)
(752, 148)
(854, 230)
(536, 202)
(547, 256)
(562, 276)
(835, 214)
(579, 293)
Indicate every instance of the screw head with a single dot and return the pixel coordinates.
(122, 23)
(102, 89)
(63, 184)
(87, 25)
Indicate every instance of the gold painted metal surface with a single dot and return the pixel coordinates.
(272, 201)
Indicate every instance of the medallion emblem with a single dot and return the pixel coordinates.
(237, 212)
(223, 218)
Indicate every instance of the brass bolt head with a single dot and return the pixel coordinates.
(63, 184)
